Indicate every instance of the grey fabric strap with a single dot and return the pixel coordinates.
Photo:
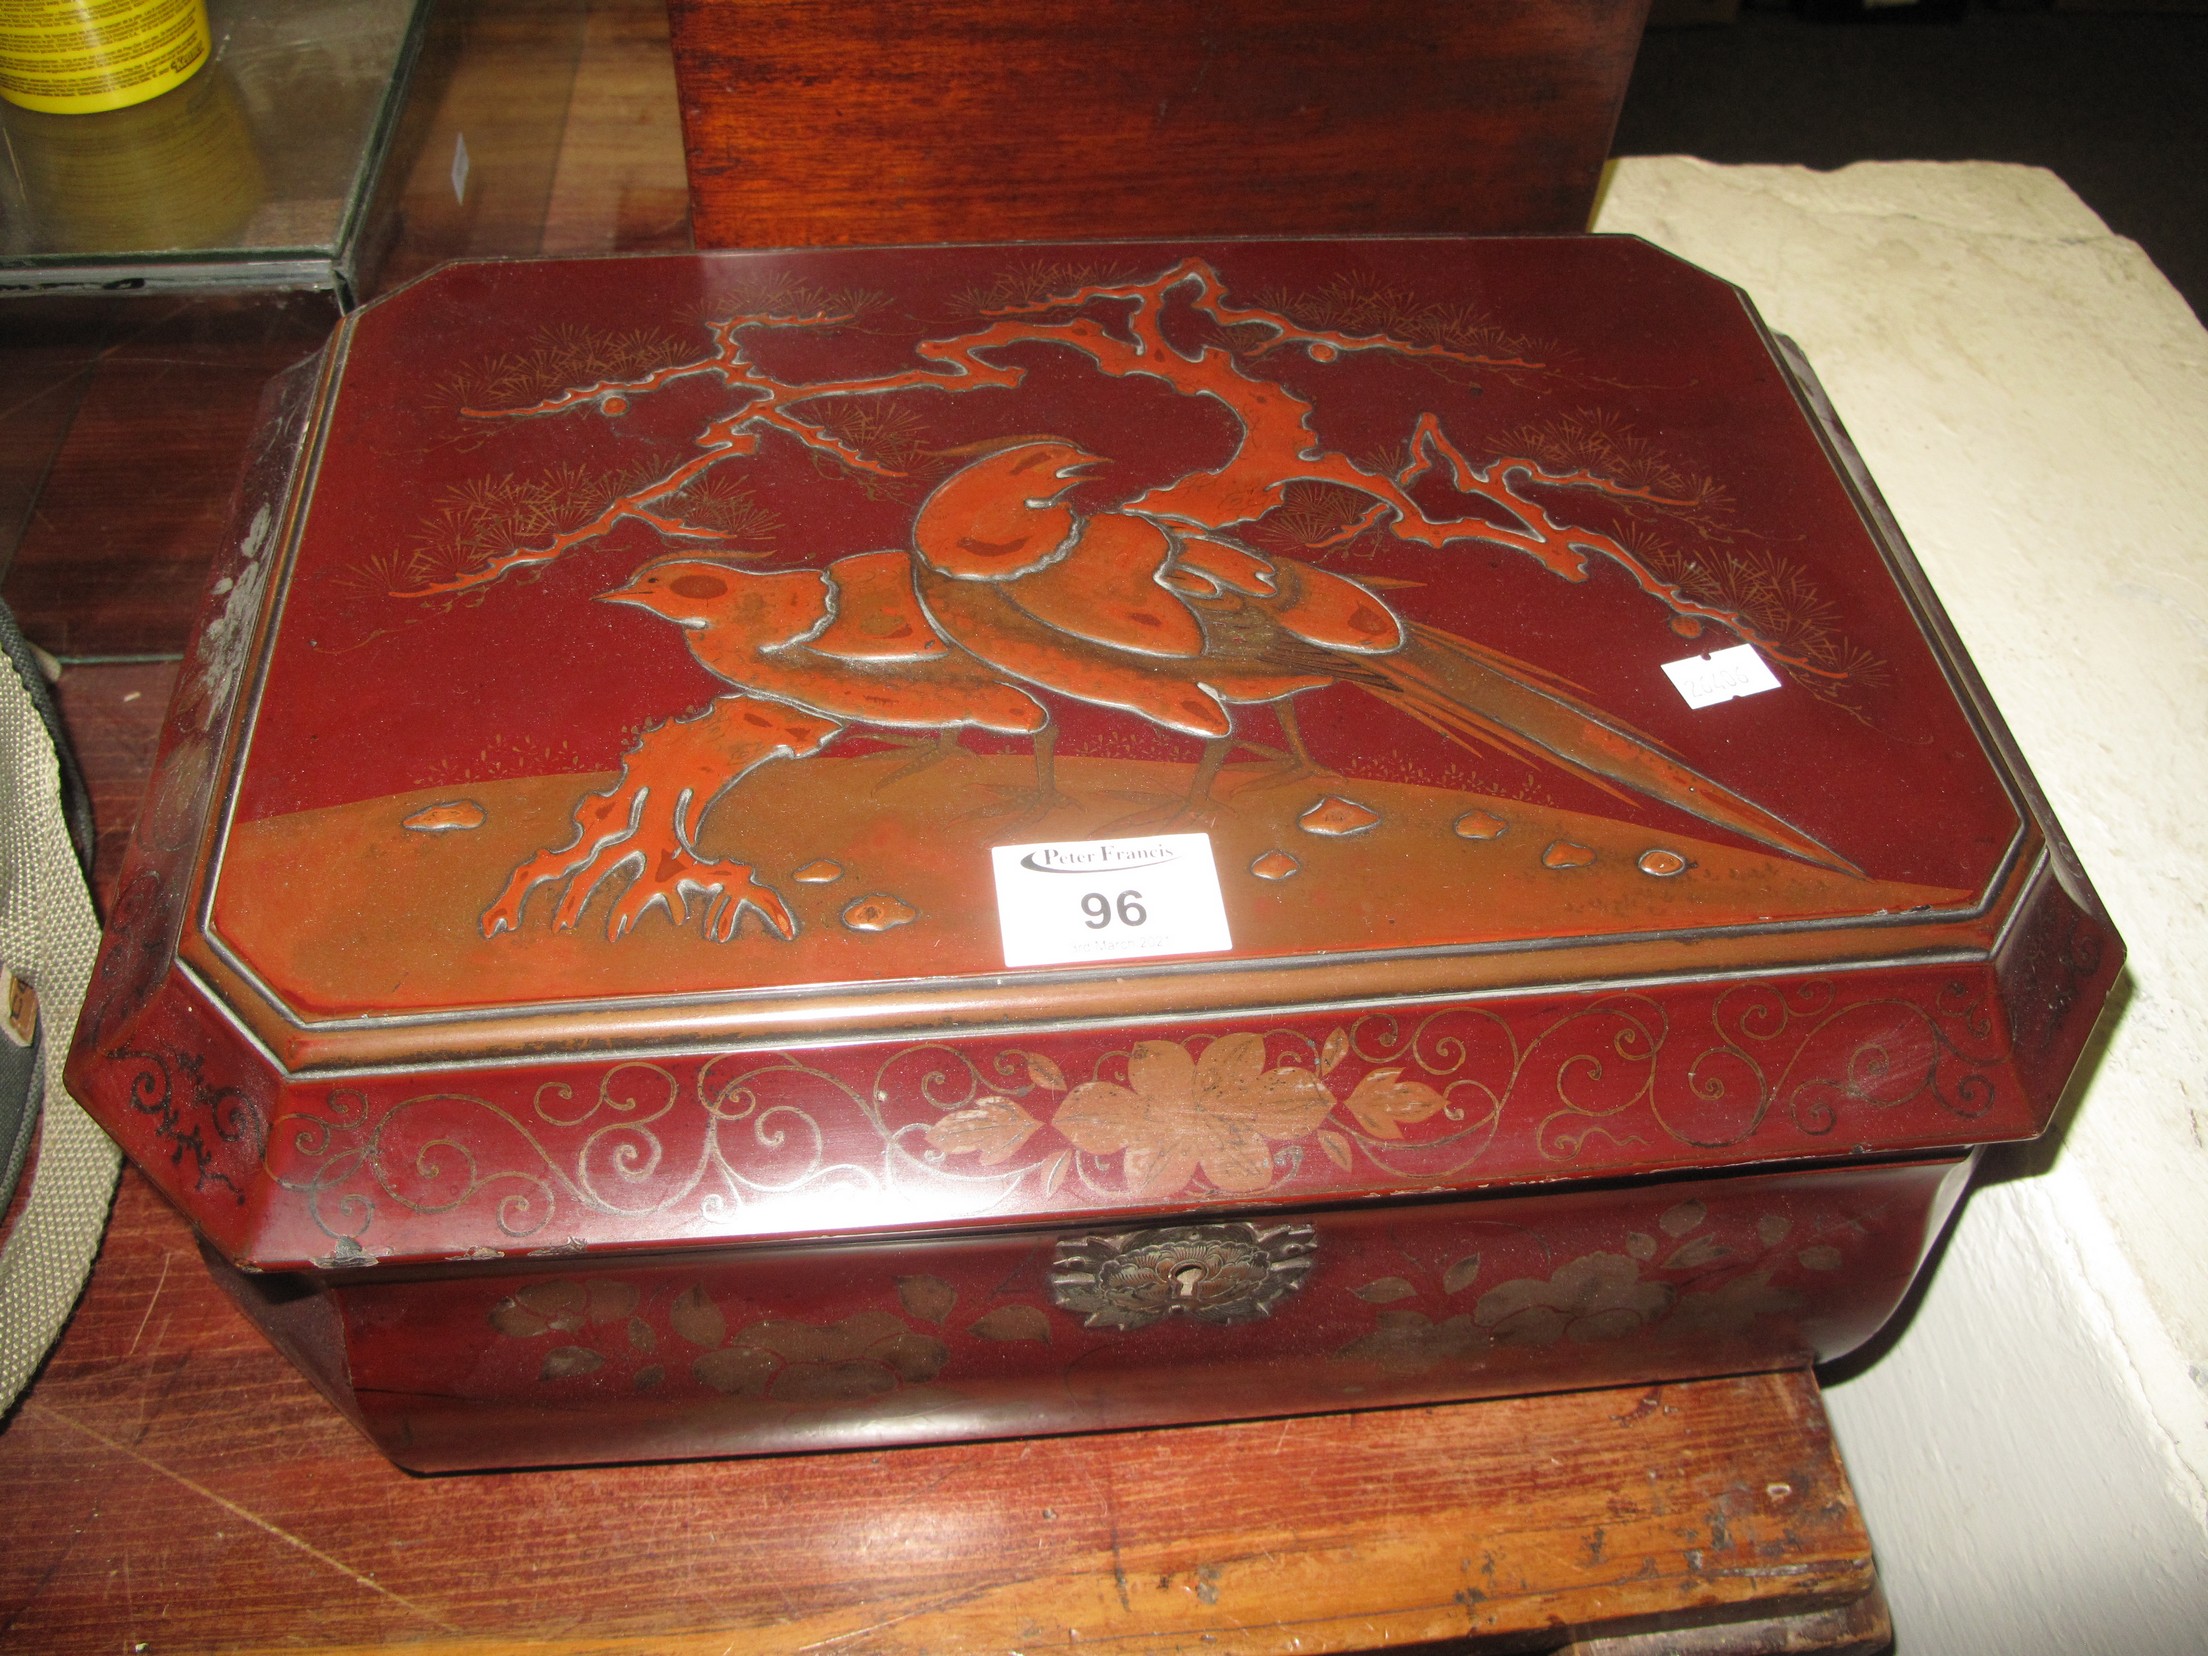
(47, 936)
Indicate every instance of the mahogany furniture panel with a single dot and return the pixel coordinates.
(620, 181)
(998, 120)
(159, 397)
(496, 84)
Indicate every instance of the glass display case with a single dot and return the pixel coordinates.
(260, 172)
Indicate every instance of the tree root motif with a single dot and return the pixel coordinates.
(646, 825)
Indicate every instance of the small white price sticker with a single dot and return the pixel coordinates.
(1706, 680)
(1085, 900)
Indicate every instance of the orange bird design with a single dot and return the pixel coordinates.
(1181, 627)
(816, 651)
(1008, 589)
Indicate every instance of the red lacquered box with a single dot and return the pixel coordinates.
(851, 847)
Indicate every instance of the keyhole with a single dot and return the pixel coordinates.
(1187, 1280)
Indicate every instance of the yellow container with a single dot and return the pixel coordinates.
(77, 57)
(170, 175)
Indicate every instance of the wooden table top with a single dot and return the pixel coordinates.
(174, 1485)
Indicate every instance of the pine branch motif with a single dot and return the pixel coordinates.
(1161, 609)
(1281, 481)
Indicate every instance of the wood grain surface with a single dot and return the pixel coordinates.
(41, 380)
(620, 181)
(1863, 1628)
(113, 713)
(998, 120)
(493, 87)
(172, 1480)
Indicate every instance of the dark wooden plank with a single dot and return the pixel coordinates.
(620, 186)
(39, 388)
(496, 79)
(114, 554)
(1863, 1628)
(984, 120)
(172, 1480)
(113, 712)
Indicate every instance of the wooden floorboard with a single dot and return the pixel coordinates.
(113, 713)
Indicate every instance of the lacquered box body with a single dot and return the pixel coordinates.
(572, 973)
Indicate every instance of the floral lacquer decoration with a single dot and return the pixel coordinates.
(1218, 1113)
(1695, 1275)
(957, 1131)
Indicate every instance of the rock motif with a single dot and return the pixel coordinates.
(1481, 825)
(445, 817)
(1336, 818)
(822, 872)
(1661, 863)
(879, 913)
(1567, 854)
(1275, 865)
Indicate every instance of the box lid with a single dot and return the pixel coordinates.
(650, 657)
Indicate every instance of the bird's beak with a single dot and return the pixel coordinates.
(624, 595)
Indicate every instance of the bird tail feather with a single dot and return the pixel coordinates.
(1475, 695)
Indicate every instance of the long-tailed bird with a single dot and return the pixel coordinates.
(1180, 627)
(1007, 590)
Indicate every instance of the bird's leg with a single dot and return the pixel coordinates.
(1294, 765)
(1022, 805)
(647, 823)
(1198, 806)
(1207, 772)
(1291, 727)
(926, 751)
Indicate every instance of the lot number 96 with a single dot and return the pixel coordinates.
(1100, 909)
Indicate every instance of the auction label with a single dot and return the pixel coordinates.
(1083, 900)
(1721, 676)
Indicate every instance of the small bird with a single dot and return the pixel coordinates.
(849, 642)
(1180, 627)
(809, 652)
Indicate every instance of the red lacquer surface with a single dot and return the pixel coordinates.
(572, 833)
(1636, 394)
(916, 1138)
(870, 1345)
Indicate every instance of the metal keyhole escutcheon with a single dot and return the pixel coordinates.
(1220, 1273)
